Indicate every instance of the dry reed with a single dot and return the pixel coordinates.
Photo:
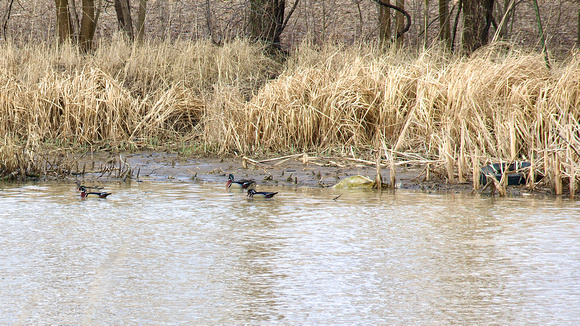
(495, 105)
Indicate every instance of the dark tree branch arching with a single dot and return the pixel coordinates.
(407, 16)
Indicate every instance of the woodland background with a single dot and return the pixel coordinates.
(340, 21)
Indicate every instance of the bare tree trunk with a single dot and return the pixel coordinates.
(444, 29)
(6, 17)
(263, 19)
(268, 20)
(127, 18)
(402, 18)
(426, 23)
(400, 21)
(578, 30)
(141, 20)
(477, 18)
(209, 21)
(64, 28)
(384, 23)
(359, 28)
(97, 15)
(123, 10)
(75, 21)
(88, 23)
(501, 28)
(456, 24)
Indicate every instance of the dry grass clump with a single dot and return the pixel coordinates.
(122, 95)
(503, 106)
(343, 97)
(456, 113)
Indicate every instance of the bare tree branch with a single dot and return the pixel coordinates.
(283, 26)
(7, 17)
(407, 16)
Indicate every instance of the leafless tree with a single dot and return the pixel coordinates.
(444, 28)
(141, 20)
(6, 17)
(402, 26)
(384, 23)
(477, 19)
(63, 21)
(268, 20)
(123, 10)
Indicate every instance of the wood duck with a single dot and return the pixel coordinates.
(84, 193)
(244, 184)
(264, 194)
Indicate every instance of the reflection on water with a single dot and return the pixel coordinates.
(179, 253)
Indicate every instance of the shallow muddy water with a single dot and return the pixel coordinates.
(181, 253)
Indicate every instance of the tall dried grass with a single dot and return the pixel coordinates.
(456, 112)
(503, 105)
(122, 95)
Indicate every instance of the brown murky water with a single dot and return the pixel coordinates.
(179, 253)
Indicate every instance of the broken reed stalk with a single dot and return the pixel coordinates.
(461, 160)
(392, 171)
(572, 179)
(570, 156)
(502, 185)
(281, 158)
(305, 159)
(557, 174)
(531, 179)
(378, 177)
(449, 160)
(548, 172)
(512, 131)
(476, 169)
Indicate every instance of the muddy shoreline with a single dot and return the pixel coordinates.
(271, 174)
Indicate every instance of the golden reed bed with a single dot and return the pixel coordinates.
(455, 113)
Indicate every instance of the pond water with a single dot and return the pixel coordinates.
(183, 253)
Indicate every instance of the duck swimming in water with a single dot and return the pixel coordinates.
(264, 194)
(243, 184)
(85, 193)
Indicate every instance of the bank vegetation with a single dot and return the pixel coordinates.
(455, 112)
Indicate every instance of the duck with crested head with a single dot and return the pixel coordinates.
(243, 184)
(263, 194)
(85, 193)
